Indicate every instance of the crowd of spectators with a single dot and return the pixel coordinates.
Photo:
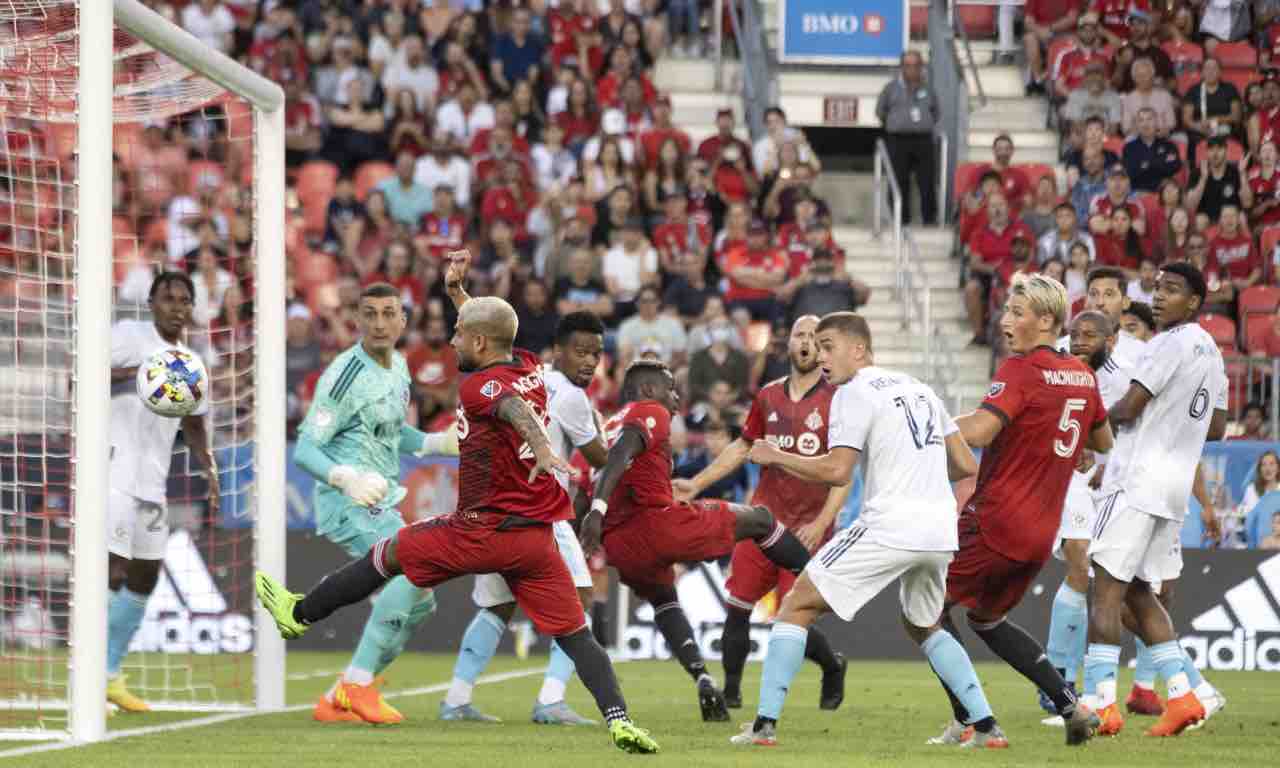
(532, 135)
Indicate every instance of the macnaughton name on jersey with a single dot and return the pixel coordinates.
(1059, 378)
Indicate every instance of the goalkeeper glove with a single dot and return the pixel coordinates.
(364, 488)
(440, 443)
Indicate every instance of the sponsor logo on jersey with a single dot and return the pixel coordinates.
(491, 389)
(814, 420)
(996, 388)
(808, 444)
(1243, 631)
(772, 417)
(324, 417)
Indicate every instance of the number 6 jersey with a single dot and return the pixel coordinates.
(1049, 404)
(899, 426)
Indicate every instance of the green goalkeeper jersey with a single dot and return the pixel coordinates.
(357, 416)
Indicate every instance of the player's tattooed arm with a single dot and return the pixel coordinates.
(519, 414)
(195, 434)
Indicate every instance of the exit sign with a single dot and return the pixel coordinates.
(840, 110)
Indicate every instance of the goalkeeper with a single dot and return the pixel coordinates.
(351, 441)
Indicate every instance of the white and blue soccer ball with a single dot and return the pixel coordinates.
(173, 382)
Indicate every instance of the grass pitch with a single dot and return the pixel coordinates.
(889, 711)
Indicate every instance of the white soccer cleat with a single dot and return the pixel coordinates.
(1055, 721)
(954, 734)
(1212, 700)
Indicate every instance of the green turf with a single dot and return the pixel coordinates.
(890, 710)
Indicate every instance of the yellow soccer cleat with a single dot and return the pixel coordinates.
(118, 694)
(366, 702)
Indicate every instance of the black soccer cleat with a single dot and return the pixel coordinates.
(714, 709)
(733, 697)
(833, 684)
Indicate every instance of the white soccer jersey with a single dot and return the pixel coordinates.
(141, 441)
(1183, 371)
(573, 423)
(1113, 382)
(899, 425)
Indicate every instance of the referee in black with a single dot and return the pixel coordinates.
(908, 110)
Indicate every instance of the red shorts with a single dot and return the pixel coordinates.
(433, 551)
(980, 577)
(752, 575)
(645, 546)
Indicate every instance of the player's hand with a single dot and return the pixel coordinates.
(810, 534)
(1212, 527)
(683, 489)
(1086, 461)
(215, 493)
(547, 462)
(364, 488)
(455, 274)
(764, 453)
(589, 532)
(1095, 482)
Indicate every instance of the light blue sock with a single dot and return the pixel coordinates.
(1068, 628)
(1145, 671)
(397, 611)
(1100, 663)
(125, 610)
(954, 667)
(781, 663)
(1193, 674)
(1169, 660)
(479, 643)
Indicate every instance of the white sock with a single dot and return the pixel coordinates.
(1179, 685)
(1145, 685)
(552, 691)
(333, 689)
(1106, 693)
(357, 676)
(1205, 691)
(459, 693)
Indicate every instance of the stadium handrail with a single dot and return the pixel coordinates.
(756, 67)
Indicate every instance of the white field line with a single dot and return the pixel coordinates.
(228, 717)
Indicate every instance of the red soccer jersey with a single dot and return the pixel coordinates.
(735, 255)
(651, 142)
(647, 482)
(493, 468)
(1046, 12)
(671, 237)
(1071, 67)
(1049, 404)
(1269, 125)
(1235, 256)
(565, 28)
(1112, 252)
(1263, 190)
(796, 427)
(1016, 186)
(443, 234)
(997, 247)
(1114, 14)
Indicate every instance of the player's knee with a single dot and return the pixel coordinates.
(983, 621)
(141, 576)
(917, 633)
(504, 612)
(754, 522)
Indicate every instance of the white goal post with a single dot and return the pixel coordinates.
(93, 318)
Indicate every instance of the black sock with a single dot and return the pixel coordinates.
(783, 548)
(675, 629)
(350, 584)
(761, 721)
(1022, 652)
(596, 672)
(600, 622)
(818, 650)
(735, 645)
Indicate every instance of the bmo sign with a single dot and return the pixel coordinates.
(843, 31)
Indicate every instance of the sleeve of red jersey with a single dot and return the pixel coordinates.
(1008, 392)
(653, 421)
(753, 427)
(480, 394)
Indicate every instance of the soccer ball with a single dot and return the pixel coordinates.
(172, 383)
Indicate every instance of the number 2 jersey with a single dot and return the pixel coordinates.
(646, 483)
(1049, 403)
(494, 460)
(1182, 369)
(798, 427)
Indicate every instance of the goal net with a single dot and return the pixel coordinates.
(195, 151)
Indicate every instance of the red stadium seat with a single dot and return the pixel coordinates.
(1222, 329)
(1258, 300)
(1270, 238)
(1114, 144)
(1185, 173)
(979, 20)
(1241, 78)
(369, 175)
(316, 180)
(1235, 150)
(1187, 81)
(919, 21)
(1239, 55)
(1255, 331)
(1188, 54)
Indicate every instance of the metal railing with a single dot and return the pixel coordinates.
(888, 201)
(756, 72)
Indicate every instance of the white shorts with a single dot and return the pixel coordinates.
(1078, 514)
(136, 529)
(491, 589)
(1131, 544)
(851, 569)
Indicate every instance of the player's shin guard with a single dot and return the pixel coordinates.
(1193, 675)
(955, 670)
(348, 585)
(675, 629)
(125, 610)
(1144, 673)
(559, 670)
(479, 643)
(1021, 651)
(600, 624)
(1100, 664)
(735, 646)
(784, 549)
(781, 663)
(397, 612)
(1068, 630)
(596, 673)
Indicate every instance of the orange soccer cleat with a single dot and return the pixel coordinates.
(327, 711)
(367, 702)
(1144, 701)
(1178, 714)
(1112, 720)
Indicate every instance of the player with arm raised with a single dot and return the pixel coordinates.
(1177, 400)
(1042, 411)
(646, 531)
(792, 413)
(508, 499)
(906, 532)
(577, 350)
(351, 442)
(141, 448)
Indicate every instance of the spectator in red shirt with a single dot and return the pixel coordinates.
(1118, 195)
(1264, 183)
(509, 199)
(989, 248)
(504, 118)
(303, 119)
(679, 237)
(753, 271)
(433, 366)
(652, 139)
(445, 228)
(1114, 15)
(1017, 189)
(581, 117)
(711, 147)
(397, 269)
(1232, 249)
(1042, 21)
(1118, 245)
(1069, 69)
(634, 108)
(1263, 124)
(609, 87)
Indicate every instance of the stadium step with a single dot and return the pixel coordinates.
(1000, 115)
